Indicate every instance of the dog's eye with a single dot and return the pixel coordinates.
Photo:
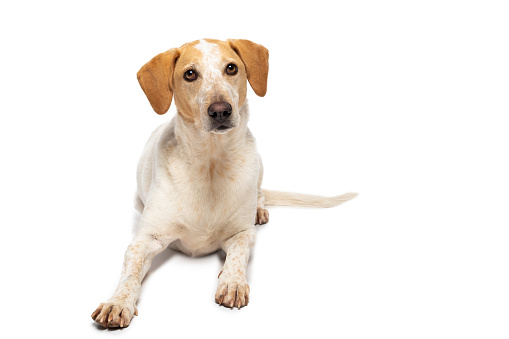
(190, 75)
(231, 69)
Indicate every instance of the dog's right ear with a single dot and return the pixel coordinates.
(156, 80)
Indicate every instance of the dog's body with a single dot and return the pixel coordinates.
(206, 185)
(200, 175)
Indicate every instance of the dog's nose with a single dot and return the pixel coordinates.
(220, 111)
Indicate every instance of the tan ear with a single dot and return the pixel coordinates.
(155, 78)
(256, 59)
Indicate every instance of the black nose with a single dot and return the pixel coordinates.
(220, 111)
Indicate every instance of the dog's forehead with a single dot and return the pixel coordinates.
(207, 50)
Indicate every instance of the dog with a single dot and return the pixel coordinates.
(199, 177)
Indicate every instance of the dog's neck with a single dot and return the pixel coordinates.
(211, 147)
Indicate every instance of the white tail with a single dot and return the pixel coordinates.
(274, 198)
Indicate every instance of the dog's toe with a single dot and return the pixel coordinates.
(233, 294)
(262, 216)
(111, 315)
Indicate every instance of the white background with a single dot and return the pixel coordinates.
(405, 102)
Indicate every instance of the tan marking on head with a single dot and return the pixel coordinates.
(163, 77)
(208, 58)
(256, 60)
(155, 80)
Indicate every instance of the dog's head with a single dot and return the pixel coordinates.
(208, 79)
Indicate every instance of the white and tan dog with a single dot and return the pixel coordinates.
(199, 177)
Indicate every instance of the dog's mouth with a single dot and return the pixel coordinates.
(220, 129)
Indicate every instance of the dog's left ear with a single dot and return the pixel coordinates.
(156, 80)
(256, 59)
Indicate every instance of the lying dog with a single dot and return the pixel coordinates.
(200, 175)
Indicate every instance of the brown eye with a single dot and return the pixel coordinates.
(231, 69)
(190, 75)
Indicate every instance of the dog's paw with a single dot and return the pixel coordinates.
(262, 216)
(114, 314)
(232, 292)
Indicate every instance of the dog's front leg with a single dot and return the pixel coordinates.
(233, 290)
(120, 308)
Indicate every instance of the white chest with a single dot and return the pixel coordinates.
(213, 199)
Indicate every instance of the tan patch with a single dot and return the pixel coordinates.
(155, 80)
(211, 169)
(256, 61)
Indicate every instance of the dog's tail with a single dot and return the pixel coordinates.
(274, 198)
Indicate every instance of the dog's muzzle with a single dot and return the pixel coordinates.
(220, 113)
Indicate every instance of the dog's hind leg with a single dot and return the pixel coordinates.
(262, 215)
